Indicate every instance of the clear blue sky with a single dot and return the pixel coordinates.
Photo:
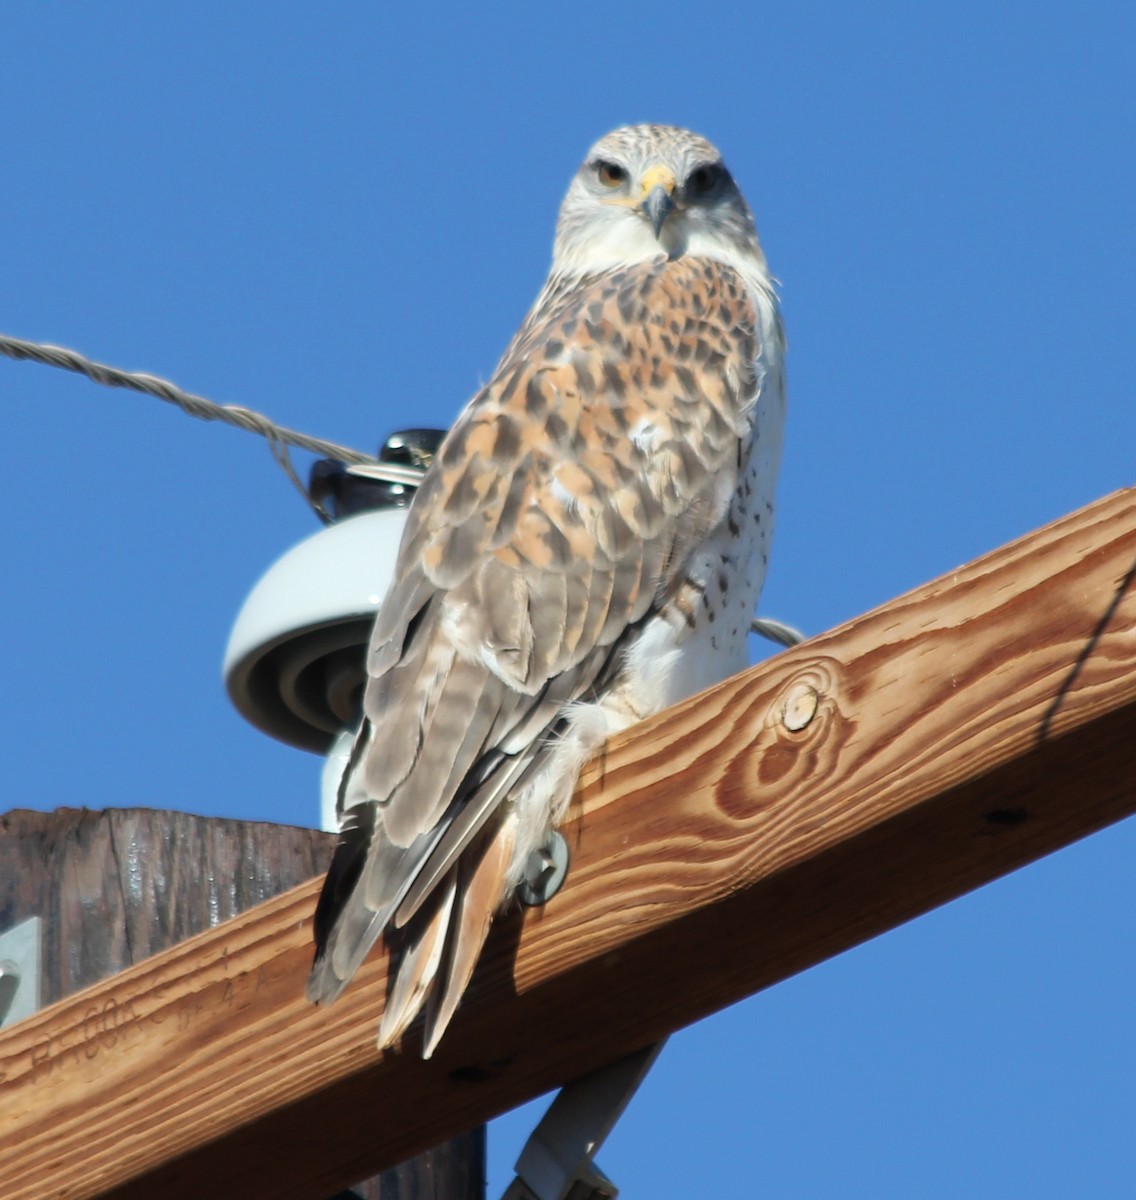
(337, 214)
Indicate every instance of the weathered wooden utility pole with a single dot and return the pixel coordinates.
(112, 888)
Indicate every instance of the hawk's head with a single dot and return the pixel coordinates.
(647, 190)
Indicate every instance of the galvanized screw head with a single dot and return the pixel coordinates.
(544, 872)
(800, 707)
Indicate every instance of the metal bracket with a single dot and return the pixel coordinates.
(20, 971)
(556, 1163)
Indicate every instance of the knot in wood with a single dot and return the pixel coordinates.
(800, 706)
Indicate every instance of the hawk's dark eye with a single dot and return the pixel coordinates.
(705, 179)
(610, 174)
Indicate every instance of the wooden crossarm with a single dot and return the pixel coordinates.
(843, 787)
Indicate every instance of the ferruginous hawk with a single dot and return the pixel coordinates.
(587, 548)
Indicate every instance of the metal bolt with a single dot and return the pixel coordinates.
(800, 707)
(544, 871)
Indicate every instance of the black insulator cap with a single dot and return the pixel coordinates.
(338, 493)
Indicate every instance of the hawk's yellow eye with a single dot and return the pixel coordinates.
(610, 174)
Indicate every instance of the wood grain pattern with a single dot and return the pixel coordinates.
(960, 731)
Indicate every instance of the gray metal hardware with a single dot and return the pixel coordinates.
(19, 971)
(545, 871)
(556, 1163)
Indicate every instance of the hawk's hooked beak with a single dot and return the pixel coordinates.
(657, 199)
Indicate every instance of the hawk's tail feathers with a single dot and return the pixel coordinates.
(418, 966)
(481, 890)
